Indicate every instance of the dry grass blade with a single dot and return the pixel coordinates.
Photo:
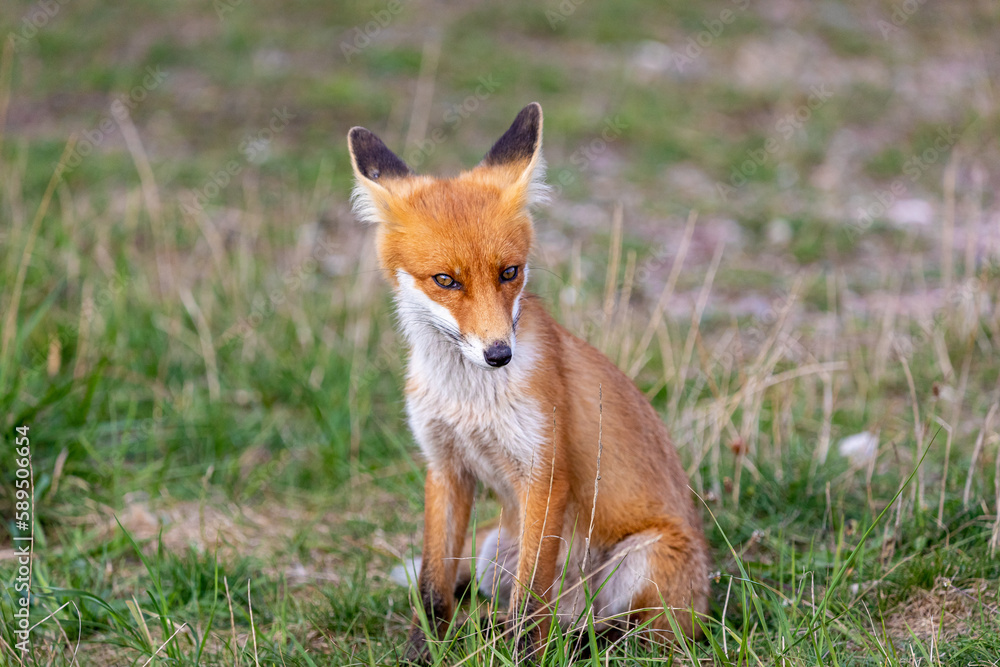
(995, 537)
(622, 328)
(611, 278)
(237, 654)
(253, 626)
(944, 474)
(597, 475)
(207, 346)
(151, 199)
(83, 329)
(656, 321)
(420, 118)
(696, 315)
(918, 430)
(948, 232)
(977, 450)
(10, 319)
(6, 64)
(164, 645)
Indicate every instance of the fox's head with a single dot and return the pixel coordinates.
(456, 250)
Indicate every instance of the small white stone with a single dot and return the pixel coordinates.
(779, 232)
(911, 212)
(651, 59)
(860, 448)
(406, 573)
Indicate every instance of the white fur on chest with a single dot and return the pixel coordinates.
(483, 417)
(461, 413)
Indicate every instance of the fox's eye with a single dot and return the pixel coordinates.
(445, 281)
(508, 274)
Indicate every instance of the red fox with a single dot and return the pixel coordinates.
(497, 391)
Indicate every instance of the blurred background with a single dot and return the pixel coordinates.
(779, 218)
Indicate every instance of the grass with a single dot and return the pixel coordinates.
(222, 473)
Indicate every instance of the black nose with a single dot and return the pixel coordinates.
(497, 354)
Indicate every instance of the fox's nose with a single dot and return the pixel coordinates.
(497, 354)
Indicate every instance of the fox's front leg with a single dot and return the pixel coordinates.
(448, 495)
(544, 506)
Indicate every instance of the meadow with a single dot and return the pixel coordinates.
(780, 219)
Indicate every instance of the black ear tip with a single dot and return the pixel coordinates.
(372, 158)
(529, 116)
(358, 134)
(521, 140)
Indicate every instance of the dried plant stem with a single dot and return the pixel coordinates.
(823, 445)
(205, 339)
(995, 537)
(948, 233)
(918, 433)
(975, 215)
(10, 319)
(597, 475)
(944, 475)
(6, 63)
(611, 278)
(151, 199)
(977, 450)
(626, 294)
(668, 290)
(696, 315)
(424, 96)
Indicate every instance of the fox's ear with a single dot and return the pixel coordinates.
(375, 168)
(517, 156)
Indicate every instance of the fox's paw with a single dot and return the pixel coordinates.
(529, 646)
(417, 650)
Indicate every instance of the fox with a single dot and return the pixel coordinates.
(596, 508)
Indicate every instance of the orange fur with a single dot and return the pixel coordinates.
(528, 429)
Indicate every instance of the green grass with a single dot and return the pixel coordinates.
(222, 472)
